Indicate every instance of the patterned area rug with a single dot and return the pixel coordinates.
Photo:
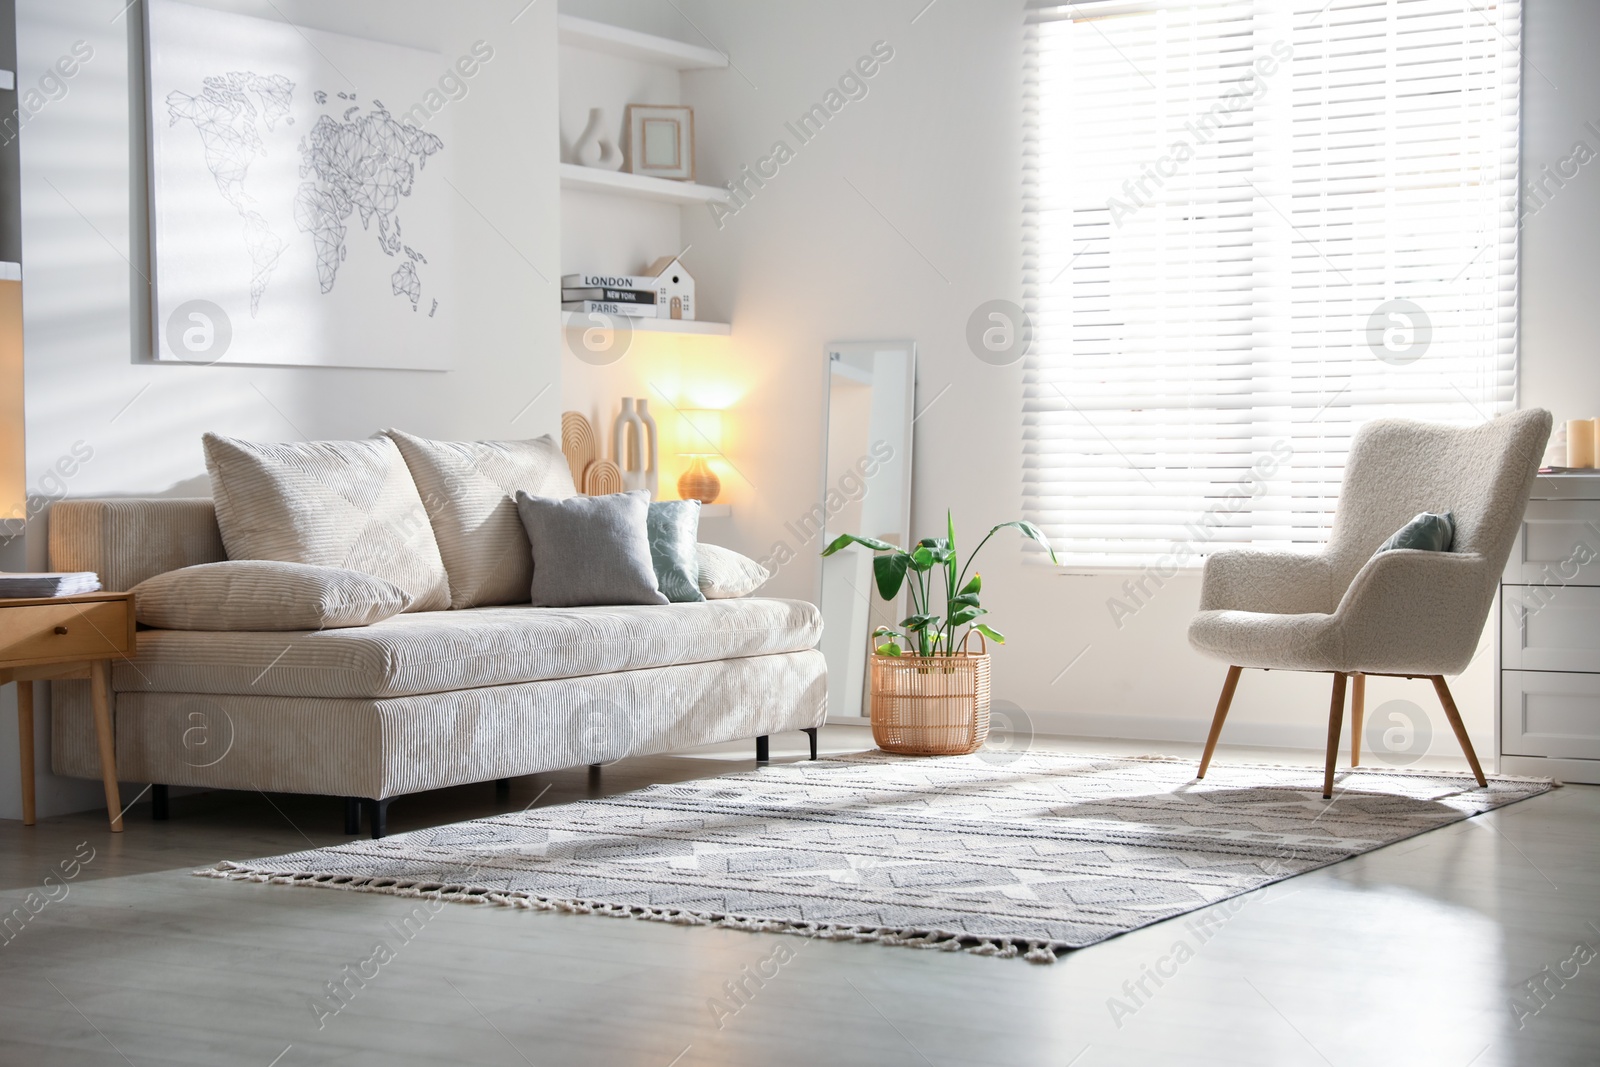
(993, 853)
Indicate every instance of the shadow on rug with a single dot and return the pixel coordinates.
(996, 853)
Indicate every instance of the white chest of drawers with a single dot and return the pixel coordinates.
(1548, 703)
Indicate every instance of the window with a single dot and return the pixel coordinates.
(1251, 226)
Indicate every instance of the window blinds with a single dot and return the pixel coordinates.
(1251, 226)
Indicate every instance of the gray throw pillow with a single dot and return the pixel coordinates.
(674, 527)
(590, 550)
(1429, 531)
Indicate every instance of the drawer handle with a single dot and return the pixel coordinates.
(61, 629)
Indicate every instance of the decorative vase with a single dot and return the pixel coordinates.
(593, 148)
(699, 482)
(651, 448)
(633, 447)
(931, 705)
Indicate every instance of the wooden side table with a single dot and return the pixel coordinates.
(66, 637)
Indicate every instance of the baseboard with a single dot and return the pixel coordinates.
(1579, 771)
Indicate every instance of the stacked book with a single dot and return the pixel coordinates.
(610, 294)
(56, 583)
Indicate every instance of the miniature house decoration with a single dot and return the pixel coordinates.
(674, 287)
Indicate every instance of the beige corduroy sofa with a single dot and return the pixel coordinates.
(422, 700)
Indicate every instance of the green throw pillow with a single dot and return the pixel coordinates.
(1429, 531)
(674, 527)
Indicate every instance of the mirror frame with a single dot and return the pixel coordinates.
(904, 510)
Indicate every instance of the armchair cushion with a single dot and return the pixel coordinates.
(1408, 610)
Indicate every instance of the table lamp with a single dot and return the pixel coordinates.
(701, 436)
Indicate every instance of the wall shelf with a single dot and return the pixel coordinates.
(631, 44)
(682, 326)
(594, 180)
(708, 329)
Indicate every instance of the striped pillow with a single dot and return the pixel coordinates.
(348, 504)
(262, 595)
(467, 488)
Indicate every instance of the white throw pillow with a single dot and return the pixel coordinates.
(725, 574)
(259, 594)
(348, 504)
(467, 487)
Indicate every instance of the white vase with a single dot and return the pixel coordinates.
(651, 470)
(594, 148)
(628, 444)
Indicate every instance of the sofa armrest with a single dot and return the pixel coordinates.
(1410, 610)
(1276, 583)
(127, 541)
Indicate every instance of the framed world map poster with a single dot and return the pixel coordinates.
(300, 201)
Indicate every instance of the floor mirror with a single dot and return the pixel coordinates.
(866, 490)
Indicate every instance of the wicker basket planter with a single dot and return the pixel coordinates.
(931, 705)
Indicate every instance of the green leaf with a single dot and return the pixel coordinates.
(973, 586)
(890, 572)
(950, 528)
(966, 615)
(918, 623)
(889, 648)
(922, 559)
(964, 600)
(933, 542)
(851, 539)
(1030, 531)
(994, 635)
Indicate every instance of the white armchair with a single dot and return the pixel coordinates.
(1405, 612)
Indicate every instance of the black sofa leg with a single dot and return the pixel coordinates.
(811, 732)
(761, 749)
(158, 803)
(352, 815)
(378, 816)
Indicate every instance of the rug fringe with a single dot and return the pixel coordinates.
(1032, 950)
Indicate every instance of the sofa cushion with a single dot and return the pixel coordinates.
(467, 488)
(331, 504)
(725, 573)
(445, 651)
(260, 594)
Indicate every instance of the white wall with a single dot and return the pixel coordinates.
(89, 377)
(902, 216)
(896, 221)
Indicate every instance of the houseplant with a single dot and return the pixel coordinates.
(930, 694)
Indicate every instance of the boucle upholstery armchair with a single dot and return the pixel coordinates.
(1404, 612)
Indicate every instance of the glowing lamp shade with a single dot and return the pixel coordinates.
(700, 436)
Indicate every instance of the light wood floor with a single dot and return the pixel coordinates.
(1411, 955)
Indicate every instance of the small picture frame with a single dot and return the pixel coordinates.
(660, 142)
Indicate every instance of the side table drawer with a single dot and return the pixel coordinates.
(1544, 713)
(42, 633)
(1558, 542)
(1550, 628)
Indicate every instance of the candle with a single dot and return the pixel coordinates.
(1580, 442)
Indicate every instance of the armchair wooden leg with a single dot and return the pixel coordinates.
(1228, 686)
(1335, 720)
(1456, 724)
(1358, 709)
